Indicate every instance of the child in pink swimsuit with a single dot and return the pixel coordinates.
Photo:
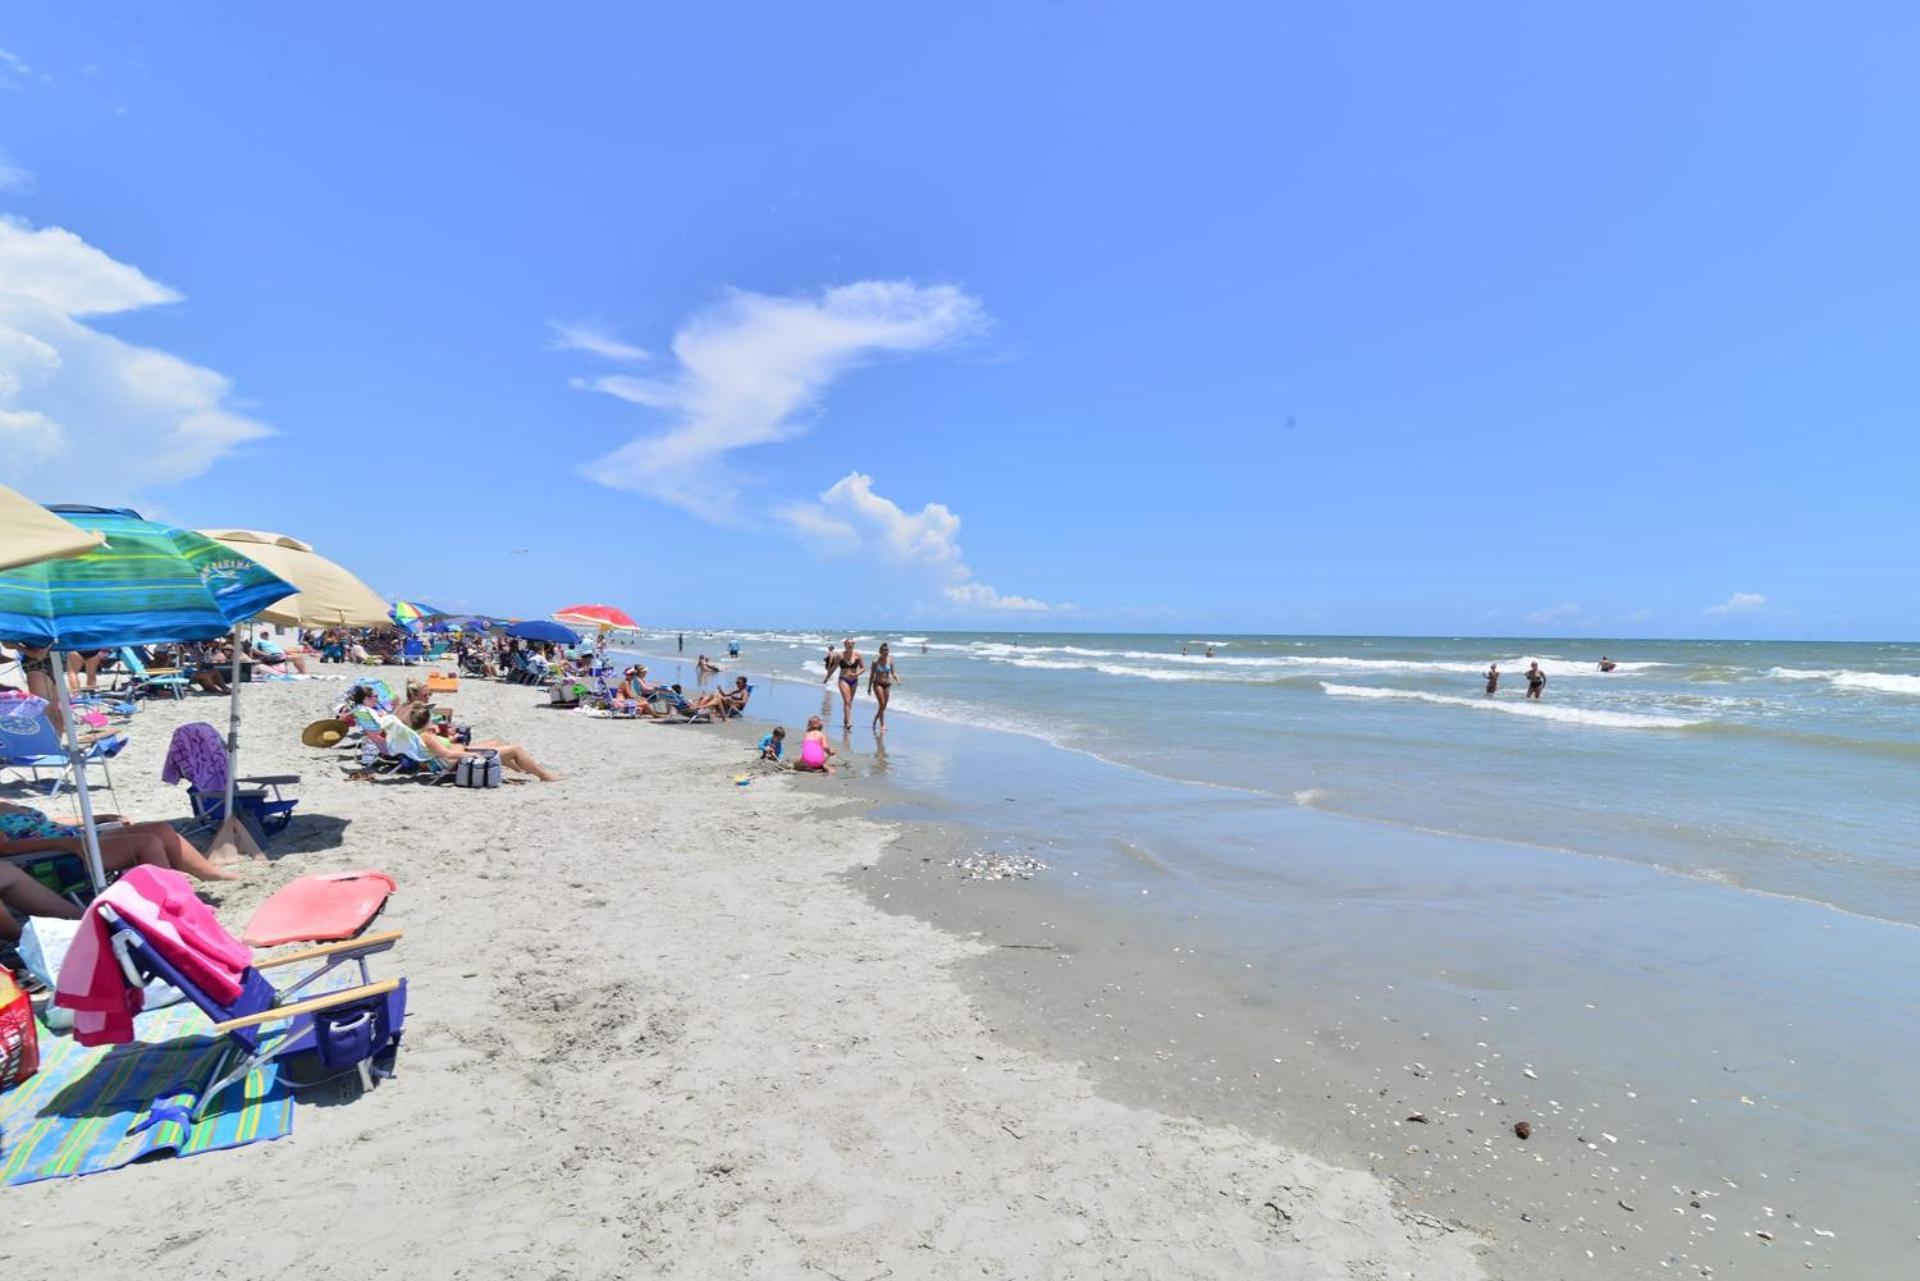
(814, 750)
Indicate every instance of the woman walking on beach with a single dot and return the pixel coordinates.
(880, 684)
(849, 665)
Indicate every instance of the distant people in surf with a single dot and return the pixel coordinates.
(1536, 681)
(1607, 664)
(1493, 679)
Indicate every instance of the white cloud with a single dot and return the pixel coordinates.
(13, 176)
(1738, 603)
(13, 69)
(1640, 616)
(595, 342)
(1555, 613)
(71, 395)
(850, 519)
(750, 371)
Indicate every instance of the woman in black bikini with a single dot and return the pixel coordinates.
(880, 684)
(849, 665)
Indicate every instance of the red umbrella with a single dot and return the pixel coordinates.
(596, 616)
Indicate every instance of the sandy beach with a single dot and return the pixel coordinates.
(655, 1030)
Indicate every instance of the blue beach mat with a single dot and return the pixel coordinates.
(93, 1109)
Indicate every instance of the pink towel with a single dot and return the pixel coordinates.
(198, 754)
(161, 905)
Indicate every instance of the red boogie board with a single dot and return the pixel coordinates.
(319, 908)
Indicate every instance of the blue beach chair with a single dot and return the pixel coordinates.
(141, 682)
(353, 1029)
(29, 745)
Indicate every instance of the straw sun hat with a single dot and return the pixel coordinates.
(324, 733)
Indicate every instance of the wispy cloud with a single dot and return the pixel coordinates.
(13, 70)
(13, 176)
(595, 342)
(1555, 613)
(1640, 616)
(1738, 603)
(70, 393)
(850, 519)
(751, 371)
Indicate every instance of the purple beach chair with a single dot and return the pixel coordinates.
(352, 1029)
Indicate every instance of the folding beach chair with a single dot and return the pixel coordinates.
(29, 745)
(353, 1029)
(264, 809)
(141, 682)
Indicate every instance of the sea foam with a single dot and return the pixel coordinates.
(1842, 678)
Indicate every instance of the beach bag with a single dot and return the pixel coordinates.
(19, 1042)
(478, 769)
(443, 683)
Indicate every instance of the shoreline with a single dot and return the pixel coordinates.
(1563, 962)
(654, 1030)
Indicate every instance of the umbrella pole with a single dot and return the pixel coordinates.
(233, 723)
(96, 867)
(233, 841)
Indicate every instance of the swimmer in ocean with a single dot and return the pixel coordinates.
(1493, 679)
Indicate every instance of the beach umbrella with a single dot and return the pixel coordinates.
(328, 596)
(407, 613)
(538, 629)
(145, 583)
(602, 616)
(29, 532)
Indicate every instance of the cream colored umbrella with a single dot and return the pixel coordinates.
(328, 596)
(29, 532)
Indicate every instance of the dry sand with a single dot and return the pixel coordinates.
(655, 1032)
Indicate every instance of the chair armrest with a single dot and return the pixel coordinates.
(280, 1013)
(269, 778)
(368, 943)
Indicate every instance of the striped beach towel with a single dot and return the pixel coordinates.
(97, 1109)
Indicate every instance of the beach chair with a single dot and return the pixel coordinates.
(29, 745)
(141, 682)
(353, 1029)
(264, 809)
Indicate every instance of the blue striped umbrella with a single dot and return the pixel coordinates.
(147, 583)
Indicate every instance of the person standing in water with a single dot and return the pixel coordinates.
(848, 665)
(1536, 681)
(880, 684)
(681, 643)
(1493, 679)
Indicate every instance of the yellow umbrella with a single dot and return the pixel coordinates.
(29, 532)
(329, 596)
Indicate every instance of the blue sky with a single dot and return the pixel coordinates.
(1434, 319)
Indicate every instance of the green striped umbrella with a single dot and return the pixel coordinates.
(147, 583)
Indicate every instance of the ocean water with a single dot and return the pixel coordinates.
(1776, 767)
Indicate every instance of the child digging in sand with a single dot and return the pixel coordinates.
(773, 744)
(814, 749)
